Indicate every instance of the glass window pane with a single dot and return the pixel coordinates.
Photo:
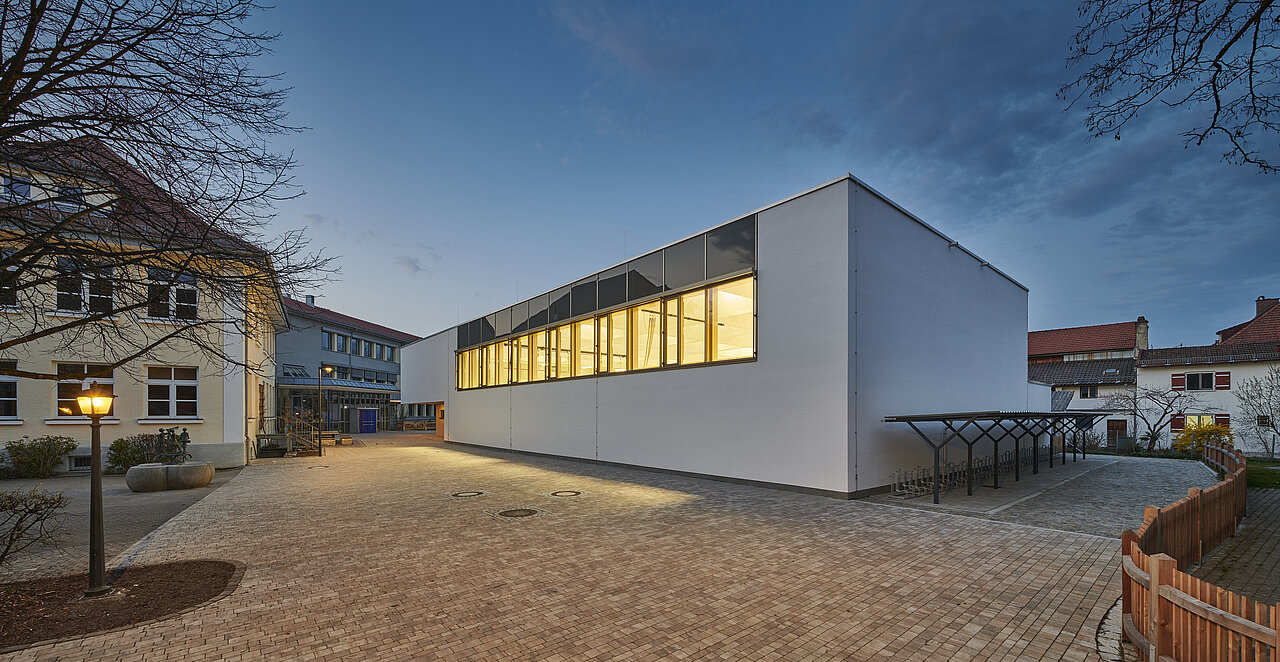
(157, 372)
(490, 365)
(158, 407)
(671, 307)
(522, 360)
(8, 389)
(504, 363)
(500, 329)
(644, 276)
(560, 308)
(185, 408)
(487, 326)
(474, 334)
(564, 351)
(733, 333)
(585, 337)
(8, 407)
(541, 357)
(646, 336)
(584, 296)
(538, 311)
(158, 392)
(685, 263)
(613, 287)
(618, 341)
(520, 317)
(732, 247)
(184, 392)
(157, 301)
(184, 373)
(602, 343)
(693, 327)
(462, 337)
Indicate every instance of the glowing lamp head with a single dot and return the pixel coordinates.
(95, 400)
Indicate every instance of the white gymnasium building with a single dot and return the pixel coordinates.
(765, 350)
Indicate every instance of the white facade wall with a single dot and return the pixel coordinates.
(862, 312)
(1217, 402)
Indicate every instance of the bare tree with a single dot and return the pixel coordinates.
(29, 517)
(1155, 407)
(138, 179)
(1259, 399)
(1216, 58)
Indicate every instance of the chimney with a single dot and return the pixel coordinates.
(1264, 304)
(311, 299)
(1141, 331)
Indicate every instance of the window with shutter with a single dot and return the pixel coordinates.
(1222, 419)
(1178, 381)
(1221, 381)
(1178, 423)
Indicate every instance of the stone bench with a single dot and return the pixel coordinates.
(155, 477)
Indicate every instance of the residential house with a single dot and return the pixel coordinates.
(1212, 372)
(79, 246)
(1084, 365)
(352, 363)
(767, 349)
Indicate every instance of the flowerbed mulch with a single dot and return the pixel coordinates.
(54, 608)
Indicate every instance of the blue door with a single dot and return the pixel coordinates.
(368, 420)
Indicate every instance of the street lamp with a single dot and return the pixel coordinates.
(95, 402)
(320, 406)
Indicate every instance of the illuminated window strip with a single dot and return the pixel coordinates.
(623, 340)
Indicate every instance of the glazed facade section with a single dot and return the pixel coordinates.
(709, 324)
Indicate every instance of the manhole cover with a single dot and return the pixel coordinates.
(518, 512)
(467, 493)
(566, 493)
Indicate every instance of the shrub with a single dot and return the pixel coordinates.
(131, 451)
(1193, 438)
(37, 458)
(28, 517)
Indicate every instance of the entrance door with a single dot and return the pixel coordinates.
(368, 421)
(1115, 430)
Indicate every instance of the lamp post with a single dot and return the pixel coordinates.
(320, 406)
(95, 402)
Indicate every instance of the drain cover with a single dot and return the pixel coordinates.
(467, 493)
(518, 512)
(566, 493)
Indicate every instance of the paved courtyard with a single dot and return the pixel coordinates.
(1249, 562)
(364, 554)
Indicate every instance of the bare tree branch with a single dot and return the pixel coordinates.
(1220, 58)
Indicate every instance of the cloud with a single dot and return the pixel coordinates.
(410, 264)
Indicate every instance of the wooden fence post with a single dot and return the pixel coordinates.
(1151, 516)
(1159, 612)
(1128, 540)
(1197, 508)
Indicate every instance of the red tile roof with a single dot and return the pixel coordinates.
(1210, 354)
(1263, 328)
(1096, 338)
(326, 315)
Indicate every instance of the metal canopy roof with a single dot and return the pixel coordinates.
(993, 415)
(990, 425)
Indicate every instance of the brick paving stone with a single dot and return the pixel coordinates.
(362, 555)
(1249, 562)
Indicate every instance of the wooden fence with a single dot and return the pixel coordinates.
(1174, 617)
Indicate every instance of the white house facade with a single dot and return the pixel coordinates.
(767, 350)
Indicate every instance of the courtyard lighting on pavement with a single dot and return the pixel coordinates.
(95, 402)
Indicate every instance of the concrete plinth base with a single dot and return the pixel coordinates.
(155, 477)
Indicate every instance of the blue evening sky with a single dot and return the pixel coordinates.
(463, 155)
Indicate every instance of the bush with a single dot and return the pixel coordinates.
(1193, 438)
(37, 458)
(28, 517)
(131, 451)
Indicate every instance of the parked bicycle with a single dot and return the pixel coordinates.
(173, 446)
